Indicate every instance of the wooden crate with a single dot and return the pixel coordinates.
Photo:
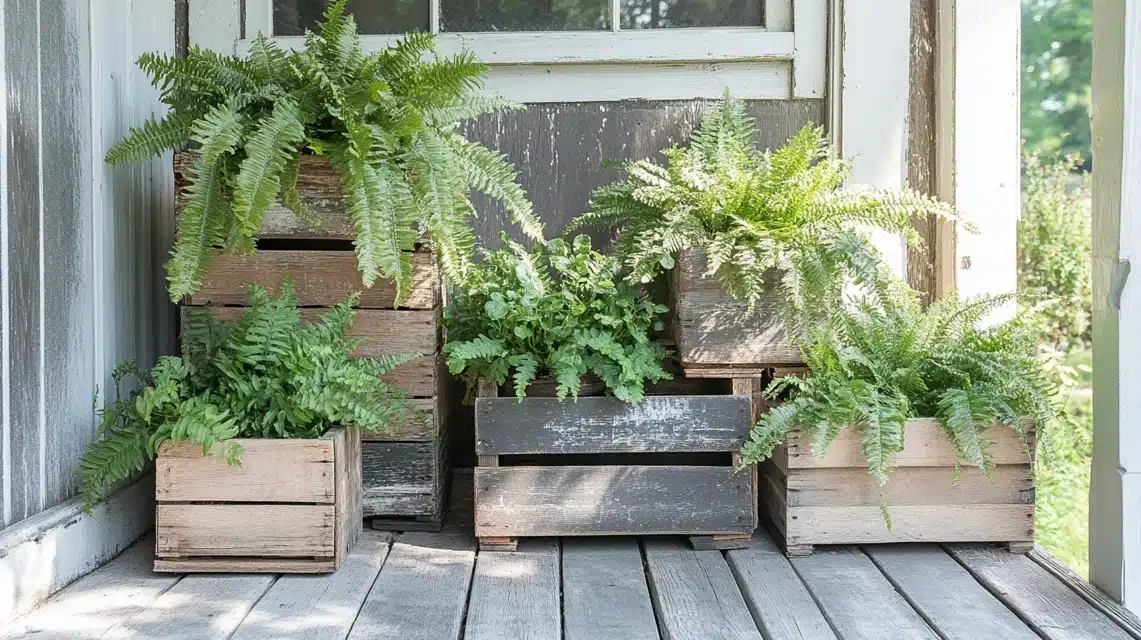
(715, 334)
(833, 500)
(550, 468)
(293, 506)
(401, 478)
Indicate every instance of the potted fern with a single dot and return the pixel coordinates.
(912, 426)
(255, 437)
(561, 332)
(758, 244)
(327, 142)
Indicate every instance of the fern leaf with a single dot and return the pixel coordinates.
(492, 174)
(201, 226)
(268, 150)
(153, 138)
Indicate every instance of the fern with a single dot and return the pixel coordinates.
(878, 364)
(387, 120)
(267, 375)
(558, 310)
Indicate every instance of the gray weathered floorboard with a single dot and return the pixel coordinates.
(318, 607)
(199, 606)
(778, 600)
(421, 591)
(946, 595)
(695, 594)
(658, 424)
(516, 594)
(1052, 608)
(95, 603)
(605, 595)
(857, 599)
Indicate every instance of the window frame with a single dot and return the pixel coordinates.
(774, 61)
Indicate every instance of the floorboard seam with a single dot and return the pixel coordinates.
(819, 605)
(997, 593)
(470, 588)
(562, 608)
(391, 543)
(903, 594)
(1125, 625)
(748, 601)
(654, 606)
(253, 605)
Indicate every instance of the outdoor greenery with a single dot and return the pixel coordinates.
(752, 212)
(560, 309)
(387, 121)
(265, 376)
(1062, 488)
(875, 366)
(1057, 59)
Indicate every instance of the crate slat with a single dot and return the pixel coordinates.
(244, 529)
(1009, 484)
(413, 431)
(910, 523)
(183, 474)
(321, 279)
(400, 478)
(611, 500)
(659, 424)
(244, 565)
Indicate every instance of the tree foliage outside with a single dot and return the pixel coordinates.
(1057, 60)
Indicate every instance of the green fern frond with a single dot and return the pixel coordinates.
(491, 173)
(201, 227)
(268, 150)
(153, 138)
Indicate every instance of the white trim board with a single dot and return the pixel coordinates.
(46, 552)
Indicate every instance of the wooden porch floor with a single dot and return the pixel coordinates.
(438, 586)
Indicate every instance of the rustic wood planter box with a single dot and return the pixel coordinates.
(405, 474)
(598, 466)
(833, 500)
(293, 506)
(716, 336)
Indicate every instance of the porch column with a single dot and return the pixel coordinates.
(1115, 500)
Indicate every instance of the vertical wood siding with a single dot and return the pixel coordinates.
(81, 244)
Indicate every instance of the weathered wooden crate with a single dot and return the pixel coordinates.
(832, 500)
(405, 474)
(716, 335)
(598, 466)
(293, 506)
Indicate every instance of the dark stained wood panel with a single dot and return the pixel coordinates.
(400, 478)
(658, 424)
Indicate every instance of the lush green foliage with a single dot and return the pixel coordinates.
(560, 309)
(1055, 251)
(1061, 489)
(754, 212)
(387, 121)
(875, 367)
(1057, 59)
(265, 376)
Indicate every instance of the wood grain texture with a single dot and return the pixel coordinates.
(659, 424)
(695, 594)
(421, 591)
(516, 595)
(851, 486)
(857, 599)
(349, 506)
(925, 445)
(780, 603)
(946, 595)
(1048, 605)
(921, 260)
(910, 523)
(564, 150)
(318, 185)
(711, 327)
(321, 279)
(318, 607)
(1099, 599)
(611, 500)
(400, 478)
(197, 607)
(271, 471)
(605, 595)
(201, 564)
(274, 530)
(424, 428)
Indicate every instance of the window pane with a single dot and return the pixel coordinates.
(293, 17)
(524, 15)
(657, 14)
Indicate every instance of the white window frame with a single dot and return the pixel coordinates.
(776, 61)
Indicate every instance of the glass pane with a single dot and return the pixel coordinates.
(659, 14)
(293, 17)
(524, 15)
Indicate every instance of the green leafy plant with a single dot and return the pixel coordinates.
(264, 376)
(875, 367)
(752, 212)
(388, 122)
(559, 309)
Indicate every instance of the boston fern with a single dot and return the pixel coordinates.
(559, 309)
(878, 366)
(387, 121)
(265, 376)
(753, 211)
